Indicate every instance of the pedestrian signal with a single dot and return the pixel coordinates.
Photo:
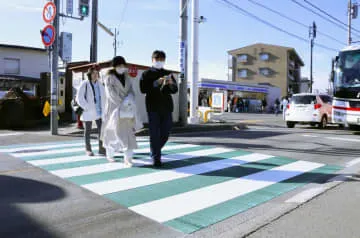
(84, 8)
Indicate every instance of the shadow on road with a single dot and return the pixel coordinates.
(15, 192)
(239, 134)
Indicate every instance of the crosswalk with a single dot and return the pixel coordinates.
(197, 186)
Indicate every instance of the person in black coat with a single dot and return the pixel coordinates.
(158, 84)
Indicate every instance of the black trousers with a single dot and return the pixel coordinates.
(160, 125)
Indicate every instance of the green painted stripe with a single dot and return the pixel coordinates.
(201, 219)
(76, 164)
(64, 154)
(150, 193)
(88, 162)
(123, 173)
(176, 151)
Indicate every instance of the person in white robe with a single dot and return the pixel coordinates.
(121, 119)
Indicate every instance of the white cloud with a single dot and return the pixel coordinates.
(20, 7)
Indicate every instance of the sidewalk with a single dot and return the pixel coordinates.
(334, 213)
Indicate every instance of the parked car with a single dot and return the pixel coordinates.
(309, 108)
(19, 108)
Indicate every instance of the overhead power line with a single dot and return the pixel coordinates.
(323, 17)
(234, 6)
(293, 20)
(327, 14)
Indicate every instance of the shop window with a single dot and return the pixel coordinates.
(11, 66)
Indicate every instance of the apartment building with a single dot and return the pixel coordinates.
(268, 65)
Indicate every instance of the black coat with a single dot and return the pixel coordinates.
(158, 97)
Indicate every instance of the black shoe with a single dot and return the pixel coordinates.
(157, 163)
(102, 151)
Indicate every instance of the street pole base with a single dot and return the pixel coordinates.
(193, 120)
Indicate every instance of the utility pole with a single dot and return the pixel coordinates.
(195, 64)
(54, 74)
(94, 20)
(349, 22)
(115, 42)
(312, 35)
(183, 99)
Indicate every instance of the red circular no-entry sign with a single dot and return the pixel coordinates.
(133, 71)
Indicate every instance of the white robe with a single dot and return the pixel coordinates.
(119, 133)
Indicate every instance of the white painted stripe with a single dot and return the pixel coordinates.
(306, 195)
(343, 139)
(45, 147)
(100, 168)
(353, 162)
(62, 160)
(306, 135)
(11, 134)
(57, 152)
(117, 185)
(169, 208)
(68, 159)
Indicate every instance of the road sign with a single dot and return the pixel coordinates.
(182, 57)
(48, 35)
(49, 12)
(69, 7)
(133, 71)
(65, 46)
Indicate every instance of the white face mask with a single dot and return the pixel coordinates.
(120, 70)
(159, 64)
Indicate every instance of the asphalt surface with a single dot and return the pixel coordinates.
(43, 205)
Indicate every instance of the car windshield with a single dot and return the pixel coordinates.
(347, 74)
(304, 99)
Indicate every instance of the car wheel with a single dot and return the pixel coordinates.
(341, 126)
(312, 124)
(323, 122)
(290, 124)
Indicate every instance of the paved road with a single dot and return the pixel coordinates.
(92, 197)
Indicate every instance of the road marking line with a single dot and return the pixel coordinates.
(306, 195)
(57, 152)
(353, 162)
(117, 185)
(11, 134)
(44, 147)
(343, 139)
(94, 169)
(306, 135)
(186, 203)
(69, 159)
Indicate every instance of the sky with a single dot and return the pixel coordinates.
(146, 25)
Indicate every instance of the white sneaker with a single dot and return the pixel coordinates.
(128, 162)
(110, 159)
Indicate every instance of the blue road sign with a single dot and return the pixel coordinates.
(48, 35)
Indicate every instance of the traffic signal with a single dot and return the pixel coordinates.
(84, 8)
